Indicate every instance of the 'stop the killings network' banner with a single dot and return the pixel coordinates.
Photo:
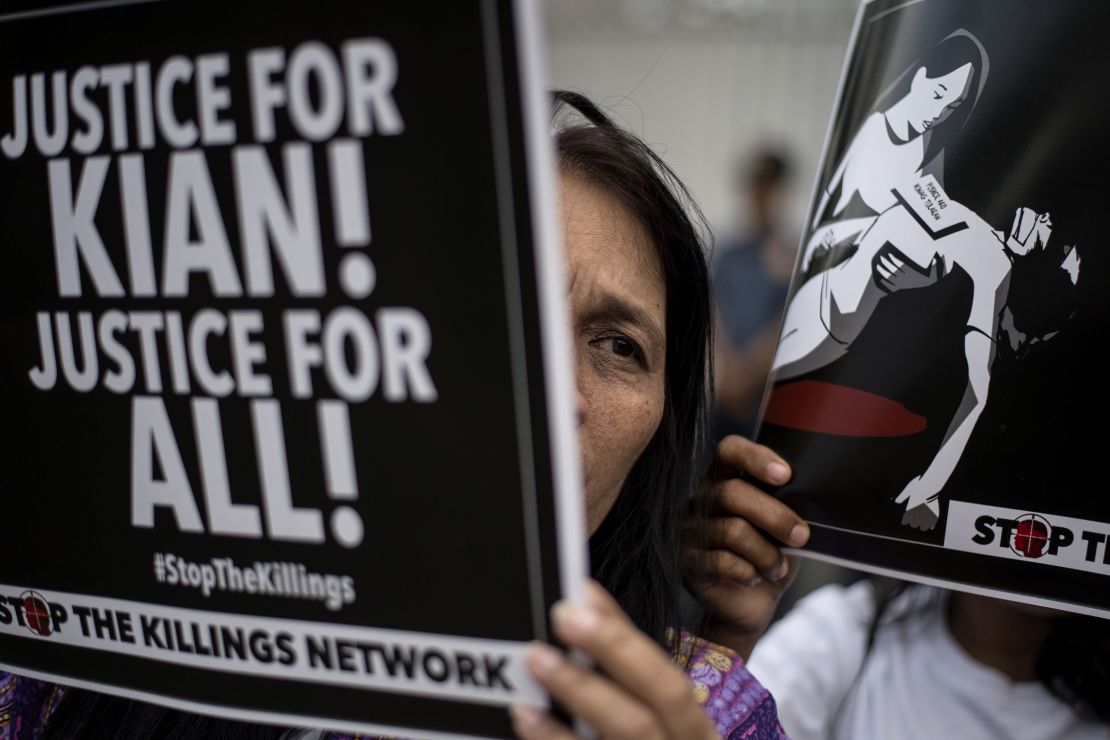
(277, 360)
(939, 383)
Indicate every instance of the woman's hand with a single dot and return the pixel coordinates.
(736, 567)
(642, 694)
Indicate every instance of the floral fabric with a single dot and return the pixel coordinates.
(737, 703)
(25, 706)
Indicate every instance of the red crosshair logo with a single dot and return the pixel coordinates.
(36, 613)
(1031, 535)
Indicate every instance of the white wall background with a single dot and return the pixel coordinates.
(703, 81)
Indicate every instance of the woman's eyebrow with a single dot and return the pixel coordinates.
(615, 308)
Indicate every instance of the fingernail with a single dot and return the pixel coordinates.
(799, 535)
(781, 571)
(577, 619)
(755, 581)
(525, 716)
(776, 471)
(542, 659)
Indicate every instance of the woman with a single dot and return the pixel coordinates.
(899, 143)
(640, 317)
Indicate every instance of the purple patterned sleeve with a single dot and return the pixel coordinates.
(737, 703)
(25, 704)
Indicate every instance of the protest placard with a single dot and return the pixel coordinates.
(938, 383)
(287, 407)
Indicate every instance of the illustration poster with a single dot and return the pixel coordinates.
(939, 383)
(286, 407)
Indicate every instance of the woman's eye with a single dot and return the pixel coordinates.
(936, 95)
(621, 346)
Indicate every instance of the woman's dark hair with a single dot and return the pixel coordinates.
(1074, 662)
(635, 552)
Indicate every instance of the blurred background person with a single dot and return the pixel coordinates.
(708, 84)
(751, 278)
(713, 79)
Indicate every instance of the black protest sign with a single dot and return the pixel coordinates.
(281, 331)
(938, 383)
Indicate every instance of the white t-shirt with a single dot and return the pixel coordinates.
(916, 683)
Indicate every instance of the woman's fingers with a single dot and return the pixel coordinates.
(645, 695)
(705, 568)
(603, 600)
(710, 566)
(739, 537)
(531, 723)
(764, 511)
(735, 453)
(586, 694)
(730, 495)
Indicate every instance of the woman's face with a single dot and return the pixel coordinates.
(934, 98)
(618, 318)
